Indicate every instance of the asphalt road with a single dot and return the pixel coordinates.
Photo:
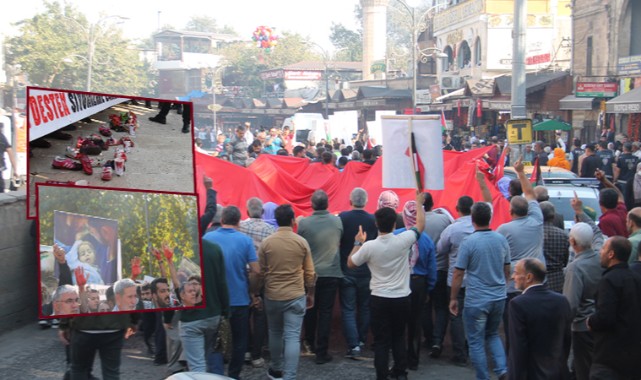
(35, 354)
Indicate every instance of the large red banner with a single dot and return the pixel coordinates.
(281, 179)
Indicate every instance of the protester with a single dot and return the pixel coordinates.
(323, 232)
(386, 258)
(615, 321)
(613, 218)
(539, 326)
(555, 248)
(354, 287)
(484, 257)
(287, 272)
(422, 281)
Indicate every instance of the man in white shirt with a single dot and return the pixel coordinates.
(388, 260)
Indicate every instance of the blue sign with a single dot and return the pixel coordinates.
(630, 66)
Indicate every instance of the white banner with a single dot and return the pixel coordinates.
(398, 171)
(50, 110)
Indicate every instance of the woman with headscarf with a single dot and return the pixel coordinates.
(559, 159)
(268, 213)
(422, 262)
(388, 198)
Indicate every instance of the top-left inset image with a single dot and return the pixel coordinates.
(108, 141)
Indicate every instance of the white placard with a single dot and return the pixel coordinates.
(397, 164)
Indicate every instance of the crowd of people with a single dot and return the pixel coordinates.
(544, 302)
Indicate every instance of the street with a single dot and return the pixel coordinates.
(35, 354)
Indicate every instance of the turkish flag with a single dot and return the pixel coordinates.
(479, 108)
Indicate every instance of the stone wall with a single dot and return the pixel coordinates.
(18, 263)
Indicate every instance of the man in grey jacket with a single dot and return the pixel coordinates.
(582, 277)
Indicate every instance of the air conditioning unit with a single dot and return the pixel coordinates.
(452, 82)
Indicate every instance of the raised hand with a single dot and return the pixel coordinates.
(576, 203)
(518, 165)
(81, 279)
(361, 236)
(156, 253)
(169, 253)
(136, 269)
(479, 174)
(59, 254)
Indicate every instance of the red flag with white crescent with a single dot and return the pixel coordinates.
(479, 109)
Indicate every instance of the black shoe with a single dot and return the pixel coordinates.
(436, 351)
(274, 375)
(158, 119)
(160, 362)
(503, 376)
(413, 366)
(40, 143)
(185, 130)
(322, 359)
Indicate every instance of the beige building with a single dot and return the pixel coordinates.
(605, 52)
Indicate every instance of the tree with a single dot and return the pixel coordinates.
(349, 41)
(53, 49)
(245, 61)
(202, 24)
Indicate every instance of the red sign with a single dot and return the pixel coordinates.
(537, 59)
(596, 89)
(303, 75)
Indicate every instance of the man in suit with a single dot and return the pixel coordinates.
(539, 326)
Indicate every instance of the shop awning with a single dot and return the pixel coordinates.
(552, 125)
(630, 102)
(573, 103)
(458, 93)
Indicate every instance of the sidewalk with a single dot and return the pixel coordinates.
(162, 159)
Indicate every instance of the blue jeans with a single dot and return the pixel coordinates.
(482, 327)
(457, 331)
(354, 295)
(239, 323)
(318, 319)
(285, 319)
(198, 339)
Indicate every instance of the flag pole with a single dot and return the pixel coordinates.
(417, 173)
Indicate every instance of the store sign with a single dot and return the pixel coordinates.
(626, 108)
(519, 131)
(378, 67)
(596, 90)
(423, 97)
(303, 75)
(538, 48)
(629, 65)
(457, 14)
(272, 74)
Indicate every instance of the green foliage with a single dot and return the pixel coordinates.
(53, 47)
(349, 41)
(171, 218)
(246, 61)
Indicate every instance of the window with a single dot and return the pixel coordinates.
(477, 51)
(450, 58)
(464, 58)
(588, 59)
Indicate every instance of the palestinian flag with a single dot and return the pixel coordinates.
(443, 123)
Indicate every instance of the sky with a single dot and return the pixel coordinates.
(300, 16)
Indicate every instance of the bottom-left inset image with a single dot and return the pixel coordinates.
(111, 251)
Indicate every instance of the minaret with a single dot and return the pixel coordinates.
(374, 34)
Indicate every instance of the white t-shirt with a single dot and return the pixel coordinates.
(388, 259)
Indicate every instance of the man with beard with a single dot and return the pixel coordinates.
(160, 298)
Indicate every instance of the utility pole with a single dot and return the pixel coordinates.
(518, 60)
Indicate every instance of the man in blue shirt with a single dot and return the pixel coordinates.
(238, 252)
(484, 257)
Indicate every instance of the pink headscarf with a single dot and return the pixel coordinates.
(409, 218)
(388, 198)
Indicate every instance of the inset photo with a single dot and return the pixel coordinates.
(110, 250)
(112, 141)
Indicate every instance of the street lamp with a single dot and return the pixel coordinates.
(326, 75)
(419, 25)
(92, 33)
